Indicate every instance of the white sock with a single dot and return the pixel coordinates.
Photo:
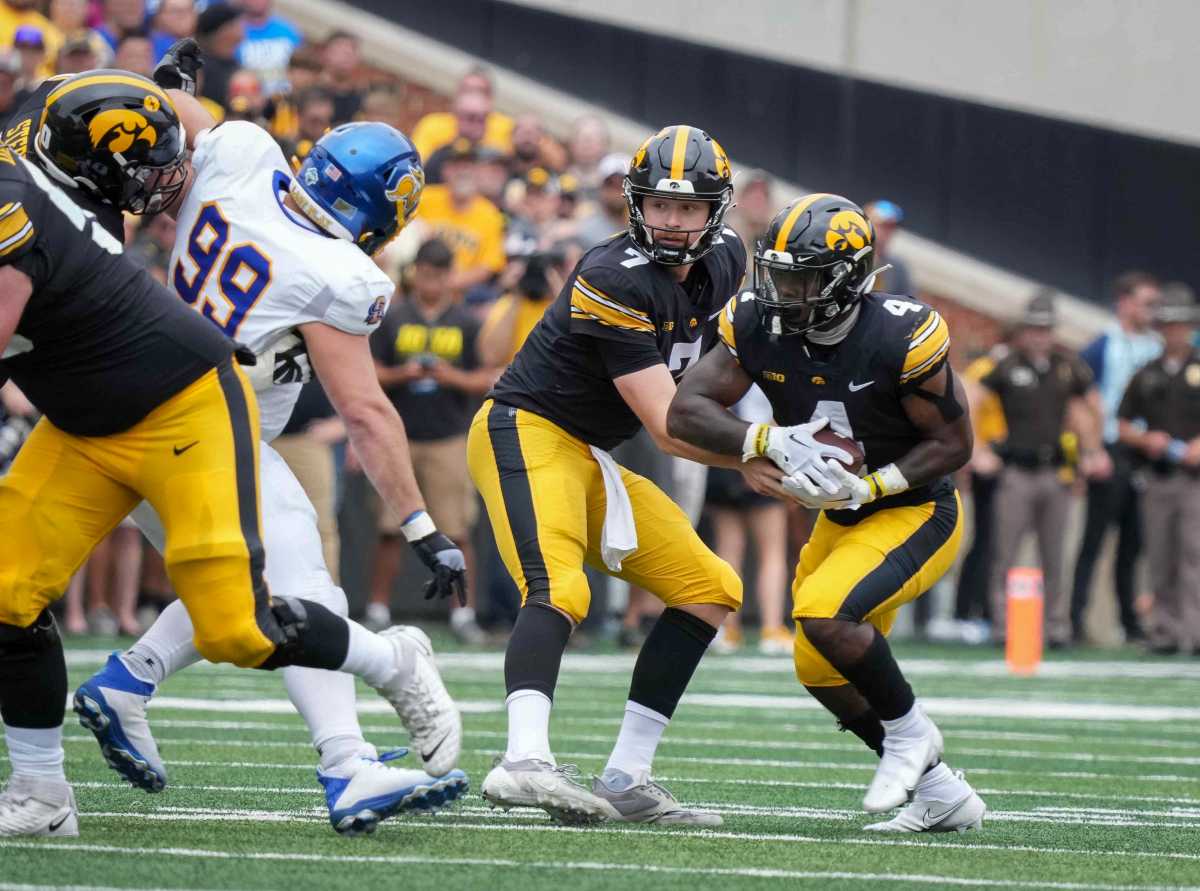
(641, 730)
(165, 648)
(528, 726)
(373, 658)
(326, 702)
(914, 723)
(36, 752)
(939, 782)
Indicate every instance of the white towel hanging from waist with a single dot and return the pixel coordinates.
(618, 538)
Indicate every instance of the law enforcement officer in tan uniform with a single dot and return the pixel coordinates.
(1160, 419)
(1043, 391)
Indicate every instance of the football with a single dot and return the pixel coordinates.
(828, 437)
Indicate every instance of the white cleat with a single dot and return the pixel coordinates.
(647, 802)
(556, 790)
(362, 792)
(425, 708)
(955, 807)
(38, 806)
(905, 759)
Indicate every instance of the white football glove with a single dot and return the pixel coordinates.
(794, 451)
(283, 362)
(857, 491)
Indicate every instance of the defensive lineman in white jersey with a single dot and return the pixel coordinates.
(274, 265)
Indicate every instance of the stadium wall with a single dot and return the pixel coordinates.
(1058, 201)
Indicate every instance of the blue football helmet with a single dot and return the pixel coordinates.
(361, 182)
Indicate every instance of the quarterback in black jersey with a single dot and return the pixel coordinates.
(635, 314)
(874, 368)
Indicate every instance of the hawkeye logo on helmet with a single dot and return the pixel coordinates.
(118, 129)
(848, 229)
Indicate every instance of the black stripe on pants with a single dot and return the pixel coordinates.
(518, 500)
(247, 488)
(902, 562)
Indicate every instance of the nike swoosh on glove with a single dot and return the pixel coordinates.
(179, 66)
(291, 360)
(447, 564)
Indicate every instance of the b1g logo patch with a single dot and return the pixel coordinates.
(375, 313)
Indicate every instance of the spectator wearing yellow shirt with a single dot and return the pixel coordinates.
(472, 117)
(515, 314)
(24, 13)
(471, 225)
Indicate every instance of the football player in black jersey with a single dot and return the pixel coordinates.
(636, 312)
(874, 368)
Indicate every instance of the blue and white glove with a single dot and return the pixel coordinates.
(440, 555)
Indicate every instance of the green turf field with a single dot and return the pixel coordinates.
(1091, 772)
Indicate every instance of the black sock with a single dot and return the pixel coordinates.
(878, 678)
(868, 728)
(306, 634)
(33, 675)
(673, 649)
(535, 649)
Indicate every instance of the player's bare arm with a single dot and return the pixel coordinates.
(649, 393)
(699, 412)
(15, 290)
(948, 439)
(346, 369)
(194, 116)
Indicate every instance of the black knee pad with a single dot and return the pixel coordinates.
(304, 633)
(18, 643)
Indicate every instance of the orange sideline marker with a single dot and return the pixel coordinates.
(1023, 649)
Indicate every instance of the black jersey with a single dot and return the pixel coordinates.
(618, 313)
(19, 134)
(895, 344)
(100, 343)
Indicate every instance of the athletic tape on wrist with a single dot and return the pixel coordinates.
(418, 525)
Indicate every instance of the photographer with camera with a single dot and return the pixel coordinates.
(540, 277)
(427, 363)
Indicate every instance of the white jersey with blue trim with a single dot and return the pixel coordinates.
(258, 269)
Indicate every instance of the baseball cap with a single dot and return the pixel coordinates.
(887, 211)
(29, 35)
(615, 164)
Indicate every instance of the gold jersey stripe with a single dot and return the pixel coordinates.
(679, 151)
(13, 222)
(932, 341)
(584, 304)
(725, 325)
(785, 231)
(931, 362)
(923, 329)
(596, 294)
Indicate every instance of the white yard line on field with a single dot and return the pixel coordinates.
(589, 866)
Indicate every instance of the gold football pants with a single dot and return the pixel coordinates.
(865, 572)
(545, 497)
(195, 459)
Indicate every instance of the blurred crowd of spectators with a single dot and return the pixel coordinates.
(508, 209)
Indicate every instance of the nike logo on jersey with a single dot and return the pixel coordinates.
(179, 451)
(854, 388)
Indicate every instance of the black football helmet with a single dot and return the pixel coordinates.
(813, 264)
(116, 135)
(679, 162)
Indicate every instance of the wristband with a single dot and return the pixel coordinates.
(886, 481)
(417, 525)
(755, 443)
(1176, 450)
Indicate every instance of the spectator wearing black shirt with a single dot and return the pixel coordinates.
(427, 363)
(219, 31)
(341, 57)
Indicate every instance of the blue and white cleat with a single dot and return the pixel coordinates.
(112, 704)
(361, 792)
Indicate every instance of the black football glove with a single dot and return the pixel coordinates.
(292, 365)
(179, 66)
(446, 562)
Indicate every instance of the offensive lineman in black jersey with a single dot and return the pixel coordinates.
(874, 368)
(636, 312)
